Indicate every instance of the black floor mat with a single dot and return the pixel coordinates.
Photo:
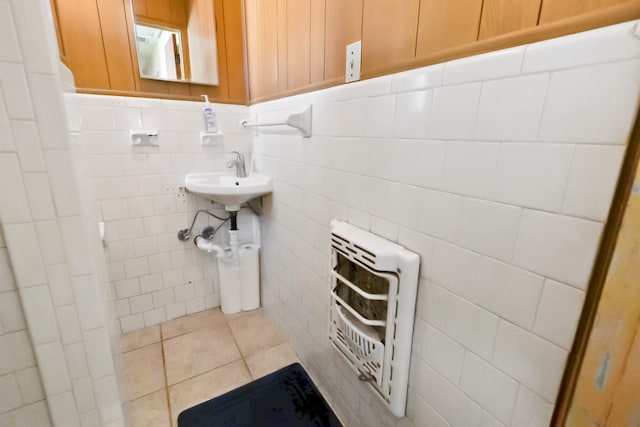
(286, 397)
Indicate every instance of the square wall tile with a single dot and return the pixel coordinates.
(15, 88)
(499, 398)
(439, 214)
(11, 316)
(420, 244)
(411, 162)
(40, 314)
(75, 240)
(52, 122)
(97, 117)
(454, 111)
(380, 114)
(510, 109)
(25, 132)
(592, 181)
(508, 291)
(69, 324)
(51, 242)
(14, 207)
(421, 78)
(531, 410)
(470, 168)
(21, 355)
(487, 66)
(6, 139)
(489, 228)
(612, 43)
(63, 410)
(9, 393)
(83, 392)
(59, 281)
(64, 182)
(89, 302)
(413, 114)
(98, 353)
(454, 268)
(557, 246)
(10, 50)
(533, 175)
(472, 326)
(52, 363)
(558, 313)
(39, 195)
(592, 105)
(449, 401)
(77, 361)
(442, 353)
(30, 385)
(529, 359)
(423, 413)
(24, 251)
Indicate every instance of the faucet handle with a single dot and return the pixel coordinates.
(239, 155)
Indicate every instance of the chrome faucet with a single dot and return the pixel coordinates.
(238, 162)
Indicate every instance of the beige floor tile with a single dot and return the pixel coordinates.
(199, 351)
(207, 386)
(266, 361)
(140, 338)
(143, 371)
(255, 332)
(196, 321)
(150, 411)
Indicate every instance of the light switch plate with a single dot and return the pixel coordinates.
(352, 72)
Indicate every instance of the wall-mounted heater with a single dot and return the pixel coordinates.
(373, 296)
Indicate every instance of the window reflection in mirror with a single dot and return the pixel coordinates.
(159, 53)
(176, 40)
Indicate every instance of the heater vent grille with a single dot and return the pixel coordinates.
(372, 279)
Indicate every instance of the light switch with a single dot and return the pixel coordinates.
(352, 72)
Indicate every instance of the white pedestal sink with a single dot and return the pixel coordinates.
(229, 190)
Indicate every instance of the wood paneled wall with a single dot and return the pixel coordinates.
(98, 43)
(299, 45)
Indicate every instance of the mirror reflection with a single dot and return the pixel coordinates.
(176, 40)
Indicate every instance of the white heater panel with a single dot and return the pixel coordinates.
(373, 293)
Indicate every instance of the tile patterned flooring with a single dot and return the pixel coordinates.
(178, 364)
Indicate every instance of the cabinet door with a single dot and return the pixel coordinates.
(298, 47)
(445, 24)
(317, 29)
(388, 32)
(115, 39)
(343, 26)
(505, 16)
(554, 10)
(82, 39)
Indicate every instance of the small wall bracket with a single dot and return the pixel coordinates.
(143, 137)
(211, 138)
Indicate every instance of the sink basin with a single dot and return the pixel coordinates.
(229, 190)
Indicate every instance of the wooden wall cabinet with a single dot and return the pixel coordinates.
(98, 42)
(294, 46)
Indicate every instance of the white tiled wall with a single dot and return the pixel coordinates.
(21, 394)
(499, 171)
(55, 312)
(139, 194)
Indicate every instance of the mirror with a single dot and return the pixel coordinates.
(176, 40)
